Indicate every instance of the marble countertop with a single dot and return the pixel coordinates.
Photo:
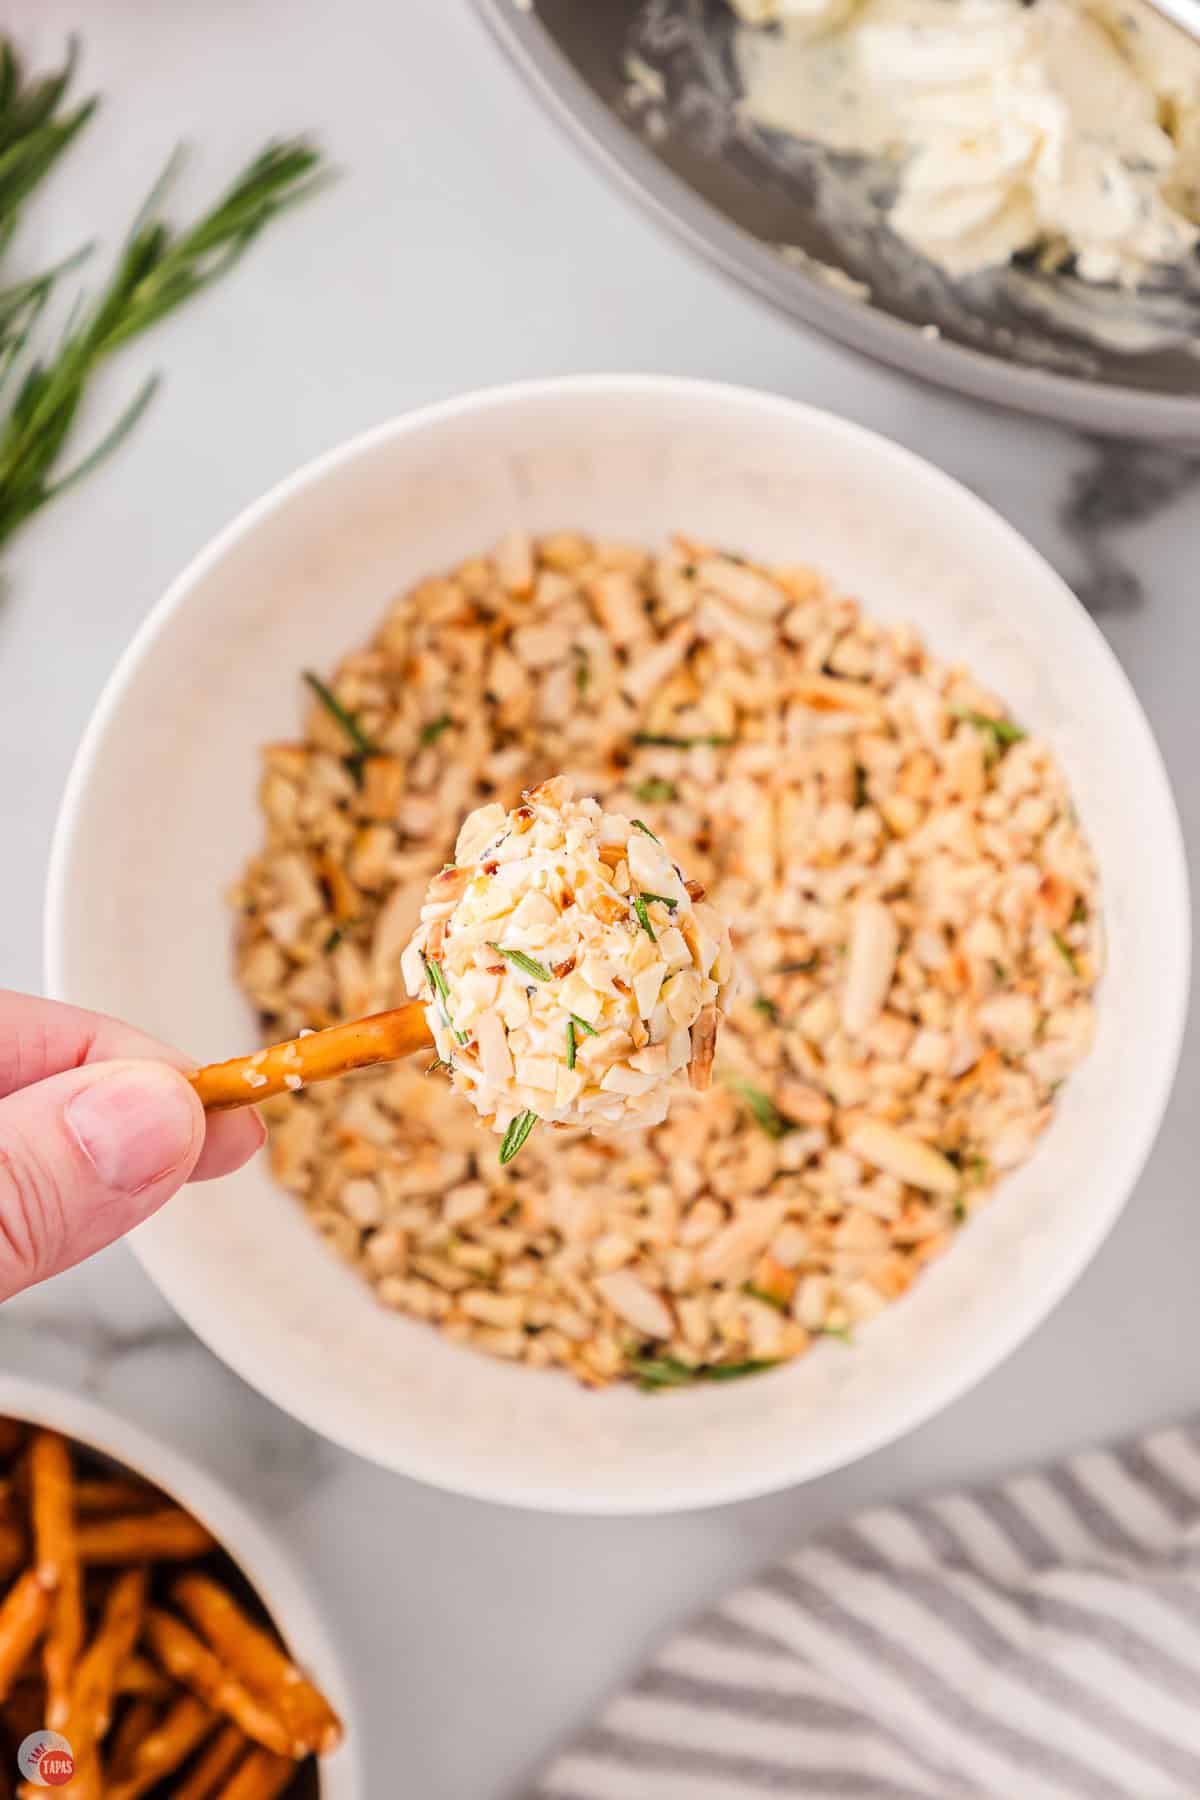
(467, 242)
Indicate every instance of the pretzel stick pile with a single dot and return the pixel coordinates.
(118, 1630)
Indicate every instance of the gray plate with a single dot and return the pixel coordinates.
(1018, 337)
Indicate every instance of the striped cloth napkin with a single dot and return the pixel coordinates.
(1036, 1640)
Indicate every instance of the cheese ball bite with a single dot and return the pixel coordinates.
(570, 972)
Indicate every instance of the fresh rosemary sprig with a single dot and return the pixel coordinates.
(662, 900)
(570, 1043)
(582, 1025)
(655, 1372)
(654, 790)
(640, 825)
(676, 743)
(643, 918)
(1001, 731)
(526, 964)
(1065, 951)
(157, 271)
(34, 132)
(516, 1134)
(432, 732)
(364, 746)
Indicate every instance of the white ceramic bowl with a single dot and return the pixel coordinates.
(270, 1574)
(160, 812)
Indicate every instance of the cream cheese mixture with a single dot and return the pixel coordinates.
(1068, 126)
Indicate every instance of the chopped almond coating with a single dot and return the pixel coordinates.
(567, 971)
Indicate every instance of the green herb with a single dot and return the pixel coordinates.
(639, 907)
(432, 732)
(675, 743)
(437, 980)
(582, 1025)
(33, 132)
(766, 1007)
(735, 1371)
(861, 796)
(656, 1372)
(583, 670)
(1001, 731)
(439, 1062)
(837, 1331)
(516, 1134)
(334, 938)
(640, 825)
(959, 1210)
(655, 791)
(660, 900)
(157, 271)
(570, 1043)
(688, 571)
(999, 970)
(364, 746)
(764, 1111)
(804, 967)
(1079, 912)
(757, 1293)
(525, 963)
(1065, 951)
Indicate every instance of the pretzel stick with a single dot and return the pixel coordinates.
(194, 1666)
(22, 1617)
(136, 1722)
(260, 1662)
(96, 1678)
(187, 1724)
(105, 1495)
(12, 1437)
(50, 1505)
(216, 1763)
(319, 1056)
(56, 1558)
(63, 1642)
(261, 1777)
(12, 1548)
(169, 1535)
(139, 1678)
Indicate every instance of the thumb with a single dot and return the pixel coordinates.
(84, 1157)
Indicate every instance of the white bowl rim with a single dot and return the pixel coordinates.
(268, 1570)
(1030, 1308)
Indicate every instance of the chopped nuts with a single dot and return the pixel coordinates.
(916, 926)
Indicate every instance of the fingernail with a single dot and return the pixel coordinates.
(134, 1126)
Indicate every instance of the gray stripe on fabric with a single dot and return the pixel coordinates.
(772, 1778)
(753, 1703)
(730, 1634)
(1026, 1664)
(1096, 1625)
(1007, 1740)
(1088, 1507)
(1009, 1519)
(1139, 1465)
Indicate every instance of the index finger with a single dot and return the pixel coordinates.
(39, 1038)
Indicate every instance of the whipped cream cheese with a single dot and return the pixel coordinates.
(1069, 126)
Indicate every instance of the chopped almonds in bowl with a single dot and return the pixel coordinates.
(915, 923)
(701, 703)
(571, 971)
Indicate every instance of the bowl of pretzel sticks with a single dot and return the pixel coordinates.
(150, 1632)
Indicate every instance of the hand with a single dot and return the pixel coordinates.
(97, 1129)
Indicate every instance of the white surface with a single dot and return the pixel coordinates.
(469, 243)
(249, 1542)
(209, 678)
